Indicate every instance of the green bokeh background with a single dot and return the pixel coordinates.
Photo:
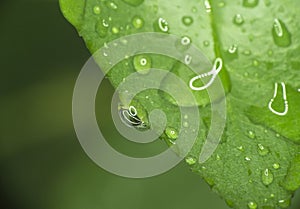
(42, 163)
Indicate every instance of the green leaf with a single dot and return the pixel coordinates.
(256, 163)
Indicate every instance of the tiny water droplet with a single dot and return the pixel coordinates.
(97, 10)
(251, 135)
(255, 63)
(188, 59)
(247, 52)
(246, 74)
(241, 148)
(206, 43)
(185, 124)
(171, 133)
(207, 6)
(161, 25)
(272, 195)
(137, 22)
(250, 3)
(284, 203)
(267, 2)
(221, 4)
(270, 53)
(262, 150)
(248, 159)
(252, 205)
(187, 20)
(134, 3)
(190, 160)
(142, 64)
(281, 35)
(233, 49)
(238, 19)
(105, 23)
(278, 135)
(111, 5)
(267, 177)
(276, 166)
(115, 30)
(185, 41)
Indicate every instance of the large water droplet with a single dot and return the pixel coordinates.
(267, 177)
(187, 20)
(133, 2)
(97, 10)
(142, 64)
(262, 150)
(281, 35)
(250, 3)
(171, 133)
(252, 205)
(101, 29)
(238, 19)
(137, 22)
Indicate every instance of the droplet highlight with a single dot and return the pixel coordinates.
(267, 177)
(238, 19)
(281, 34)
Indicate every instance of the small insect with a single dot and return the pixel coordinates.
(130, 118)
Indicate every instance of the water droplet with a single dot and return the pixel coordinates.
(281, 35)
(206, 43)
(97, 10)
(207, 6)
(221, 4)
(270, 53)
(233, 49)
(190, 160)
(218, 157)
(185, 41)
(238, 19)
(251, 135)
(252, 205)
(267, 177)
(277, 135)
(134, 3)
(115, 30)
(161, 25)
(284, 203)
(262, 150)
(241, 148)
(171, 133)
(255, 63)
(188, 59)
(111, 5)
(267, 2)
(276, 166)
(137, 22)
(247, 52)
(105, 23)
(186, 117)
(272, 195)
(194, 9)
(250, 3)
(142, 64)
(248, 159)
(246, 74)
(101, 29)
(185, 124)
(187, 20)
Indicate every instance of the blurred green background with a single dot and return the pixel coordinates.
(42, 163)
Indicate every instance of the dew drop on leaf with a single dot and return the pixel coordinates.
(161, 25)
(252, 205)
(207, 6)
(115, 30)
(276, 166)
(284, 203)
(251, 134)
(137, 22)
(250, 3)
(142, 64)
(101, 29)
(171, 133)
(111, 5)
(233, 49)
(262, 150)
(134, 3)
(247, 159)
(280, 33)
(267, 177)
(221, 4)
(206, 43)
(238, 19)
(97, 10)
(185, 41)
(187, 20)
(190, 160)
